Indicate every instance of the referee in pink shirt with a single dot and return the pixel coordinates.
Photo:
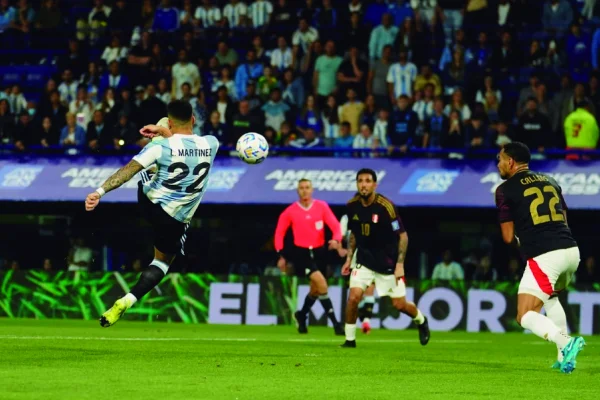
(308, 218)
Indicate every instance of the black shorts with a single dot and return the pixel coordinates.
(307, 261)
(169, 234)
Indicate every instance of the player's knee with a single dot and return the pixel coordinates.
(399, 303)
(354, 299)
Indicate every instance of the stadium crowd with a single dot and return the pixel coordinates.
(395, 75)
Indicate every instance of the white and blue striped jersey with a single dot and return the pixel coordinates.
(234, 12)
(184, 163)
(402, 78)
(208, 17)
(259, 12)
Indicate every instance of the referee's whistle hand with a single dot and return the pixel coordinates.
(334, 245)
(91, 201)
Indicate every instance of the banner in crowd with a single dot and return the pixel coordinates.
(409, 182)
(199, 298)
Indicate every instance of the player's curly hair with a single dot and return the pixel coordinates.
(367, 171)
(518, 151)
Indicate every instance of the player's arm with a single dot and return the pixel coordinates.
(398, 228)
(351, 250)
(283, 223)
(334, 225)
(507, 225)
(120, 177)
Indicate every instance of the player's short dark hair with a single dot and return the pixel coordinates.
(367, 171)
(180, 111)
(517, 151)
(304, 180)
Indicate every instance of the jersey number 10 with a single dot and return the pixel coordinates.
(365, 229)
(185, 171)
(539, 200)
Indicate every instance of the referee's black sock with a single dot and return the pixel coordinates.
(326, 302)
(309, 301)
(150, 278)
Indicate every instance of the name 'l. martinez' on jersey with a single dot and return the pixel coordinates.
(184, 163)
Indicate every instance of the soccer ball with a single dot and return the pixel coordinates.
(252, 148)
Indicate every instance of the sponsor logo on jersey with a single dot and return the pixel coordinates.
(429, 181)
(15, 176)
(395, 225)
(355, 218)
(328, 180)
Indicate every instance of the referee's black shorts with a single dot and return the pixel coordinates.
(306, 261)
(169, 234)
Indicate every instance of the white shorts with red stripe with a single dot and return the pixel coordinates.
(549, 273)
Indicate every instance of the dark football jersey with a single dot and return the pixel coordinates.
(377, 228)
(534, 202)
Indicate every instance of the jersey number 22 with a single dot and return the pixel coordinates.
(185, 171)
(539, 200)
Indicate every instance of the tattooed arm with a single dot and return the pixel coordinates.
(351, 250)
(402, 247)
(120, 177)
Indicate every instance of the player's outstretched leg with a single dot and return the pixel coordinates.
(542, 326)
(351, 314)
(556, 313)
(367, 310)
(409, 308)
(148, 280)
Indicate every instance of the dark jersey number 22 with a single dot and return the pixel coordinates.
(185, 171)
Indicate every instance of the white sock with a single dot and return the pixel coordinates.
(350, 332)
(369, 299)
(362, 303)
(556, 313)
(420, 318)
(131, 299)
(367, 321)
(543, 327)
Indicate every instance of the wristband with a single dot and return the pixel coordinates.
(100, 191)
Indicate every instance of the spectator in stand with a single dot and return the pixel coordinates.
(147, 14)
(478, 57)
(451, 12)
(152, 106)
(253, 99)
(327, 20)
(505, 57)
(502, 134)
(457, 103)
(224, 105)
(182, 72)
(275, 110)
(425, 13)
(166, 18)
(477, 15)
(48, 135)
(448, 269)
(527, 92)
(581, 129)
(260, 13)
(383, 35)
(484, 271)
(534, 128)
(225, 80)
(436, 125)
(293, 89)
(47, 20)
(455, 71)
(557, 17)
(7, 123)
(357, 34)
(244, 121)
(326, 68)
(55, 110)
(310, 117)
(113, 79)
(381, 130)
(477, 134)
(234, 13)
(208, 16)
(284, 19)
(139, 60)
(356, 7)
(266, 83)
(344, 141)
(24, 134)
(507, 14)
(245, 72)
(352, 111)
(98, 134)
(353, 73)
(375, 12)
(68, 88)
(80, 256)
(126, 134)
(74, 60)
(456, 132)
(163, 91)
(488, 87)
(91, 79)
(369, 114)
(404, 123)
(108, 105)
(186, 92)
(72, 135)
(377, 79)
(364, 140)
(304, 36)
(401, 77)
(200, 109)
(119, 20)
(282, 57)
(22, 24)
(114, 52)
(578, 48)
(535, 56)
(428, 77)
(331, 120)
(82, 107)
(308, 140)
(216, 128)
(16, 100)
(423, 104)
(570, 103)
(225, 55)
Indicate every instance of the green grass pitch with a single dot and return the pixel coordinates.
(59, 359)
